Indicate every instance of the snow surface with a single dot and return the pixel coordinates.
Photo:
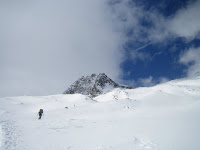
(164, 117)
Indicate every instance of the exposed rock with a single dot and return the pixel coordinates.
(94, 85)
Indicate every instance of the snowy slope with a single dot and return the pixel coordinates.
(164, 117)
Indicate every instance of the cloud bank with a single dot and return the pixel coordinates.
(191, 59)
(186, 22)
(150, 81)
(46, 45)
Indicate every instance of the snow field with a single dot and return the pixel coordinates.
(164, 117)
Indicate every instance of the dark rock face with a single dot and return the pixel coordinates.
(94, 85)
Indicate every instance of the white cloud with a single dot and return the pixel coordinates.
(46, 45)
(138, 26)
(128, 17)
(163, 79)
(191, 59)
(147, 81)
(186, 22)
(150, 81)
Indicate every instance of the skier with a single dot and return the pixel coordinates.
(40, 113)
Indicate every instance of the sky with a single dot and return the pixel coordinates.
(46, 45)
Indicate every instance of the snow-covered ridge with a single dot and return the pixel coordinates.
(94, 85)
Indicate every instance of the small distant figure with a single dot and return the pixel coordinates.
(40, 113)
(66, 107)
(126, 107)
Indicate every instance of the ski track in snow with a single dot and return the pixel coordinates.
(10, 134)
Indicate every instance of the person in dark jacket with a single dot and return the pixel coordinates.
(40, 113)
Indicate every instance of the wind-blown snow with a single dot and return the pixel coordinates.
(164, 117)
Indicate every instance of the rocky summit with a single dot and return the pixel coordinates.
(94, 85)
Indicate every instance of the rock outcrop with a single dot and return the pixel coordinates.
(94, 85)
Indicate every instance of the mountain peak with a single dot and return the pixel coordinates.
(93, 85)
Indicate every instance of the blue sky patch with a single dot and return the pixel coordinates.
(158, 58)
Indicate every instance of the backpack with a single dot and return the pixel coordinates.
(41, 111)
